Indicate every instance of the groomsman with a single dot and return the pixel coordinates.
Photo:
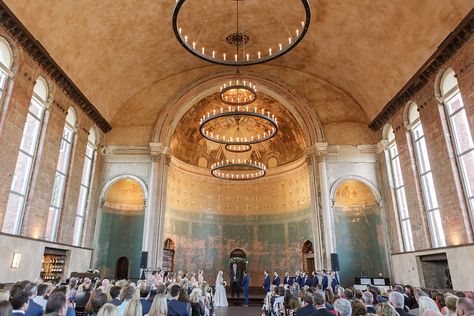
(299, 279)
(325, 280)
(266, 283)
(287, 280)
(276, 279)
(245, 287)
(306, 280)
(314, 280)
(334, 282)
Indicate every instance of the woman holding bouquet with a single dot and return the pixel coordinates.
(220, 297)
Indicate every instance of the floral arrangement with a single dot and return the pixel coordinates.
(238, 260)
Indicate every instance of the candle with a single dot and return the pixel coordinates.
(213, 54)
(259, 55)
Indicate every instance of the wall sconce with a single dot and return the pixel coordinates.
(16, 260)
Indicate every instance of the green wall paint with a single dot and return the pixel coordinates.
(119, 236)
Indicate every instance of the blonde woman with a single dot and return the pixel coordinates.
(159, 306)
(197, 307)
(134, 308)
(385, 309)
(108, 310)
(426, 303)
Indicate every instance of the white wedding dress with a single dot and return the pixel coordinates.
(220, 297)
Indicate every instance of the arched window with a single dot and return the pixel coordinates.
(85, 188)
(62, 169)
(26, 158)
(460, 133)
(426, 178)
(6, 61)
(398, 189)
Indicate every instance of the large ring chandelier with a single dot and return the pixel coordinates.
(238, 169)
(200, 26)
(238, 92)
(227, 126)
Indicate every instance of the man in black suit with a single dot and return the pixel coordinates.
(368, 299)
(308, 308)
(319, 299)
(175, 307)
(398, 302)
(235, 280)
(288, 280)
(114, 293)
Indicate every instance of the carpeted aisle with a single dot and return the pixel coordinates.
(238, 311)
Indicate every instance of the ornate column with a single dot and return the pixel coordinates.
(321, 152)
(312, 161)
(153, 233)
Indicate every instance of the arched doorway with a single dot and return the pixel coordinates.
(240, 255)
(121, 269)
(308, 257)
(168, 255)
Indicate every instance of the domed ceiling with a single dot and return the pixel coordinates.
(189, 146)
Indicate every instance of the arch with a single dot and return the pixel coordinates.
(169, 249)
(307, 247)
(237, 252)
(93, 136)
(110, 182)
(41, 89)
(295, 103)
(6, 53)
(448, 82)
(388, 133)
(71, 116)
(411, 113)
(373, 188)
(121, 268)
(169, 244)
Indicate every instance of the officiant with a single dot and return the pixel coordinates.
(235, 280)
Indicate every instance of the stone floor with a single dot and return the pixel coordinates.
(238, 311)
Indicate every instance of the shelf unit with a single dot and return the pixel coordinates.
(53, 264)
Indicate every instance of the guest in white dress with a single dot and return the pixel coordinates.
(220, 297)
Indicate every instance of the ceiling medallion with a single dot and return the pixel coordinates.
(198, 27)
(237, 169)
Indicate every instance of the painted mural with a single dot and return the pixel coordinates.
(359, 232)
(121, 228)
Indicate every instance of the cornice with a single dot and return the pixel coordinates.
(38, 53)
(446, 50)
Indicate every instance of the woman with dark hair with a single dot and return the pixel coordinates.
(89, 308)
(98, 300)
(410, 292)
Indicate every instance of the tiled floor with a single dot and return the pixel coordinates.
(238, 311)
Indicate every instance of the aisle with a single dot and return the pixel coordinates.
(238, 310)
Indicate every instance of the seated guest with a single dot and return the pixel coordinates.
(19, 301)
(358, 308)
(56, 305)
(175, 307)
(159, 306)
(197, 307)
(114, 294)
(406, 298)
(294, 305)
(410, 292)
(63, 289)
(368, 299)
(5, 308)
(144, 292)
(278, 307)
(465, 307)
(426, 303)
(342, 307)
(385, 309)
(134, 308)
(319, 299)
(99, 300)
(348, 295)
(34, 309)
(329, 295)
(83, 295)
(126, 295)
(308, 307)
(397, 301)
(470, 295)
(108, 310)
(451, 302)
(40, 294)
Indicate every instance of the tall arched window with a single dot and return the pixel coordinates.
(460, 133)
(82, 204)
(6, 61)
(60, 178)
(26, 158)
(426, 178)
(398, 189)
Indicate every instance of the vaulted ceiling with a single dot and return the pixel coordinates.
(115, 49)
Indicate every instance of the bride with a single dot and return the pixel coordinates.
(220, 297)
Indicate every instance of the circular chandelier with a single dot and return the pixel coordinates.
(265, 29)
(238, 148)
(238, 125)
(238, 92)
(238, 169)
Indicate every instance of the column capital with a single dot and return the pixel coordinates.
(159, 149)
(381, 146)
(319, 150)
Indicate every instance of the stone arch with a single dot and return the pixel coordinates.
(110, 182)
(373, 188)
(294, 102)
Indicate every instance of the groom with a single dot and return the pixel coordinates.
(235, 280)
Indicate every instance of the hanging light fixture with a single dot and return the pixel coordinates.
(238, 169)
(198, 26)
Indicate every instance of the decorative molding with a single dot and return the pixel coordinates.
(38, 53)
(446, 50)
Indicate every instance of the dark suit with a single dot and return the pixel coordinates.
(299, 280)
(306, 310)
(177, 308)
(266, 284)
(276, 281)
(146, 305)
(307, 281)
(315, 281)
(322, 312)
(371, 309)
(115, 302)
(34, 309)
(288, 280)
(402, 312)
(334, 282)
(235, 284)
(325, 282)
(17, 313)
(245, 287)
